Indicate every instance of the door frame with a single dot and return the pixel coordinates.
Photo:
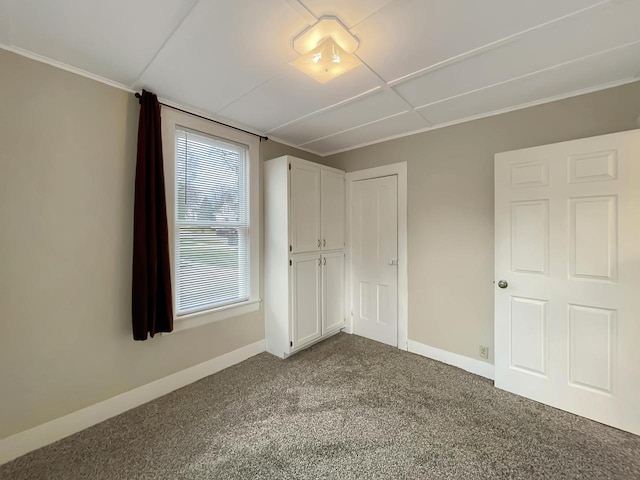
(400, 171)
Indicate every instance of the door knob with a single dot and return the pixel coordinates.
(503, 284)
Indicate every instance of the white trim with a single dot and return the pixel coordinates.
(472, 365)
(64, 66)
(563, 96)
(46, 433)
(399, 169)
(171, 119)
(197, 319)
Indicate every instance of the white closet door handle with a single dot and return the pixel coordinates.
(393, 261)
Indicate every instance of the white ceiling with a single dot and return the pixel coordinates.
(426, 63)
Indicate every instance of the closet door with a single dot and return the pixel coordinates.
(304, 208)
(305, 298)
(333, 210)
(332, 292)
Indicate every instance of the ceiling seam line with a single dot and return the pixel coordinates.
(355, 128)
(299, 2)
(302, 10)
(288, 2)
(164, 43)
(326, 109)
(530, 74)
(492, 45)
(392, 2)
(237, 99)
(429, 121)
(388, 88)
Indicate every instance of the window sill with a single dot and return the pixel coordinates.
(199, 319)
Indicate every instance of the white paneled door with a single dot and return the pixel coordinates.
(567, 300)
(304, 207)
(333, 211)
(374, 258)
(333, 288)
(305, 298)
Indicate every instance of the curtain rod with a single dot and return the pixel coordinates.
(261, 137)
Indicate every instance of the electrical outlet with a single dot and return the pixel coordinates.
(484, 352)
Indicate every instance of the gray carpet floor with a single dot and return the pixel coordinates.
(345, 408)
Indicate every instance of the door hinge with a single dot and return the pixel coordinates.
(291, 344)
(290, 263)
(289, 166)
(290, 248)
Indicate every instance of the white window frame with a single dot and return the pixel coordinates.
(172, 119)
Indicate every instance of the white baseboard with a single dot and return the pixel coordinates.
(478, 367)
(36, 437)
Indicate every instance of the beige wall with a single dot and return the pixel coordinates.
(450, 205)
(67, 162)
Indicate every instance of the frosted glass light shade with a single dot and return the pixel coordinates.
(326, 62)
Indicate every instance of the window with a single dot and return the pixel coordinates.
(212, 193)
(212, 223)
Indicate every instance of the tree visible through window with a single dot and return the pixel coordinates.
(212, 224)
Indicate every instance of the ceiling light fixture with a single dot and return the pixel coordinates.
(326, 50)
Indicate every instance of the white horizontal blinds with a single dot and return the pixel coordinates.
(212, 222)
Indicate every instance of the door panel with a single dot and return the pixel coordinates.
(374, 253)
(592, 238)
(333, 210)
(529, 334)
(567, 230)
(591, 348)
(304, 208)
(305, 298)
(333, 292)
(530, 236)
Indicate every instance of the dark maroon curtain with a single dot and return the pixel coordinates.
(151, 303)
